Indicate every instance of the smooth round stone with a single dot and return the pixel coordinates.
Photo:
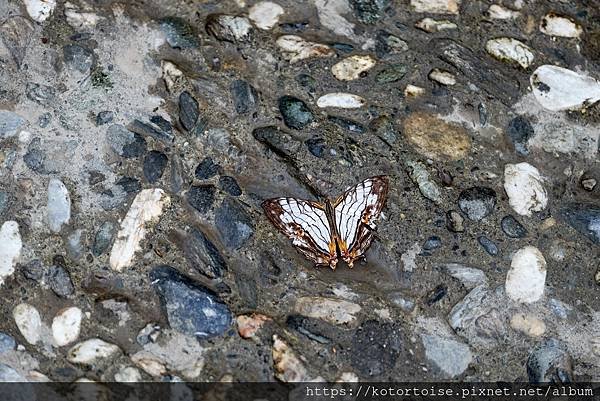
(524, 186)
(512, 227)
(489, 245)
(90, 351)
(60, 281)
(78, 57)
(28, 321)
(528, 324)
(265, 14)
(353, 67)
(295, 112)
(477, 202)
(66, 326)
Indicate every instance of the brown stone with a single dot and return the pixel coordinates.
(436, 138)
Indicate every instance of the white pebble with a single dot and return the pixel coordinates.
(10, 249)
(39, 10)
(28, 322)
(352, 67)
(66, 326)
(526, 277)
(295, 48)
(431, 25)
(89, 351)
(557, 88)
(146, 207)
(341, 100)
(442, 76)
(59, 205)
(496, 11)
(265, 14)
(556, 25)
(436, 6)
(524, 186)
(509, 49)
(528, 324)
(128, 374)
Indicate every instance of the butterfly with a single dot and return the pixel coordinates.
(326, 232)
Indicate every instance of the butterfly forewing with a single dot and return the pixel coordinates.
(306, 224)
(356, 212)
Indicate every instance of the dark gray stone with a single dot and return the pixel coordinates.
(155, 163)
(489, 245)
(59, 278)
(188, 110)
(129, 184)
(79, 57)
(316, 146)
(383, 127)
(35, 157)
(33, 270)
(519, 132)
(311, 328)
(375, 348)
(44, 120)
(348, 125)
(307, 82)
(393, 73)
(201, 197)
(202, 254)
(227, 27)
(42, 94)
(104, 237)
(162, 123)
(230, 185)
(10, 123)
(512, 227)
(190, 308)
(296, 114)
(477, 202)
(105, 117)
(432, 243)
(206, 169)
(124, 142)
(179, 33)
(245, 98)
(583, 218)
(368, 11)
(145, 129)
(280, 142)
(16, 34)
(233, 223)
(550, 362)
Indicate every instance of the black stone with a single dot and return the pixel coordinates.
(512, 227)
(79, 57)
(550, 362)
(375, 348)
(343, 47)
(245, 98)
(280, 142)
(104, 237)
(233, 223)
(292, 27)
(583, 218)
(144, 129)
(489, 245)
(436, 294)
(125, 143)
(35, 157)
(188, 110)
(179, 33)
(202, 254)
(316, 146)
(155, 163)
(295, 112)
(191, 308)
(59, 279)
(348, 125)
(206, 169)
(161, 123)
(129, 184)
(201, 197)
(104, 117)
(433, 242)
(519, 132)
(307, 327)
(230, 185)
(477, 202)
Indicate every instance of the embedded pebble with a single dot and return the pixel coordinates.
(39, 10)
(511, 50)
(454, 221)
(520, 131)
(557, 88)
(353, 67)
(10, 249)
(128, 374)
(468, 276)
(496, 11)
(442, 77)
(103, 238)
(557, 25)
(233, 223)
(525, 188)
(10, 124)
(585, 218)
(179, 33)
(288, 367)
(550, 362)
(59, 205)
(341, 100)
(489, 245)
(420, 176)
(7, 343)
(331, 310)
(90, 351)
(450, 356)
(512, 227)
(59, 278)
(528, 324)
(146, 207)
(228, 28)
(431, 25)
(296, 114)
(436, 6)
(249, 325)
(201, 197)
(29, 322)
(295, 48)
(526, 278)
(265, 14)
(155, 163)
(66, 325)
(477, 202)
(436, 138)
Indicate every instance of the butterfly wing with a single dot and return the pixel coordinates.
(306, 224)
(356, 212)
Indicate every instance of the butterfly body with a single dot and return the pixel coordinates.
(341, 229)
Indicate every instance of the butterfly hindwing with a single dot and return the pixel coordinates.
(306, 224)
(356, 212)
